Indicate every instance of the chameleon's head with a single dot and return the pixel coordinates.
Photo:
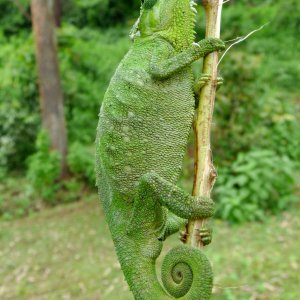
(172, 19)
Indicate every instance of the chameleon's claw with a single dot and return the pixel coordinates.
(183, 236)
(203, 80)
(220, 82)
(205, 234)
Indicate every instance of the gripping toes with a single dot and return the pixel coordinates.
(205, 234)
(203, 80)
(220, 82)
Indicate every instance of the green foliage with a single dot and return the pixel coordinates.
(71, 191)
(82, 12)
(81, 161)
(44, 168)
(87, 60)
(99, 13)
(15, 16)
(253, 113)
(15, 200)
(255, 184)
(19, 116)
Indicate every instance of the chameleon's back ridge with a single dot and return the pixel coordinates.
(143, 129)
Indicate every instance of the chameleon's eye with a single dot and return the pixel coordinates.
(148, 4)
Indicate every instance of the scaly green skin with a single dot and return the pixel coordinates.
(142, 135)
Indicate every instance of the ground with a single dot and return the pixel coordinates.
(67, 253)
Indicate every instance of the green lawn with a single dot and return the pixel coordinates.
(66, 253)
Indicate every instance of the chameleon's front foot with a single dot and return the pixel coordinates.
(203, 80)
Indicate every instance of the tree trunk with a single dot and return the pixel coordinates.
(51, 97)
(57, 12)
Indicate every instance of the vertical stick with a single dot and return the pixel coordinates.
(205, 173)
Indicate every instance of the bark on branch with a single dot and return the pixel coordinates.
(205, 173)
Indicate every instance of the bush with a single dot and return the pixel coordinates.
(15, 199)
(87, 61)
(44, 168)
(19, 117)
(257, 183)
(99, 13)
(15, 16)
(81, 161)
(255, 112)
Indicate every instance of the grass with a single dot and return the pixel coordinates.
(67, 253)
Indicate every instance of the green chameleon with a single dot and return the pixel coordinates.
(144, 124)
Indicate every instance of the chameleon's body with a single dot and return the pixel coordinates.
(143, 129)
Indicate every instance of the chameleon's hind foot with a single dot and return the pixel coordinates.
(203, 80)
(205, 234)
(183, 236)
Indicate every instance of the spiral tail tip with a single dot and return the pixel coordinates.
(187, 273)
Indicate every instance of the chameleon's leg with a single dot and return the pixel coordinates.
(153, 193)
(173, 225)
(163, 66)
(179, 202)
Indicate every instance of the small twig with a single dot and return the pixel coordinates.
(226, 1)
(240, 39)
(233, 40)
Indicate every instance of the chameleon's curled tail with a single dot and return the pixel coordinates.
(187, 274)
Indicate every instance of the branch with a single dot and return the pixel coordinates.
(241, 39)
(205, 174)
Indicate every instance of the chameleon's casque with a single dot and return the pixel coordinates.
(144, 123)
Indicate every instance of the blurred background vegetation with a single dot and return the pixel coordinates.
(256, 134)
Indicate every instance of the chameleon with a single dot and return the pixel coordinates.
(142, 134)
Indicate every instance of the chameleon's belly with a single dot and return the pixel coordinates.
(144, 126)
